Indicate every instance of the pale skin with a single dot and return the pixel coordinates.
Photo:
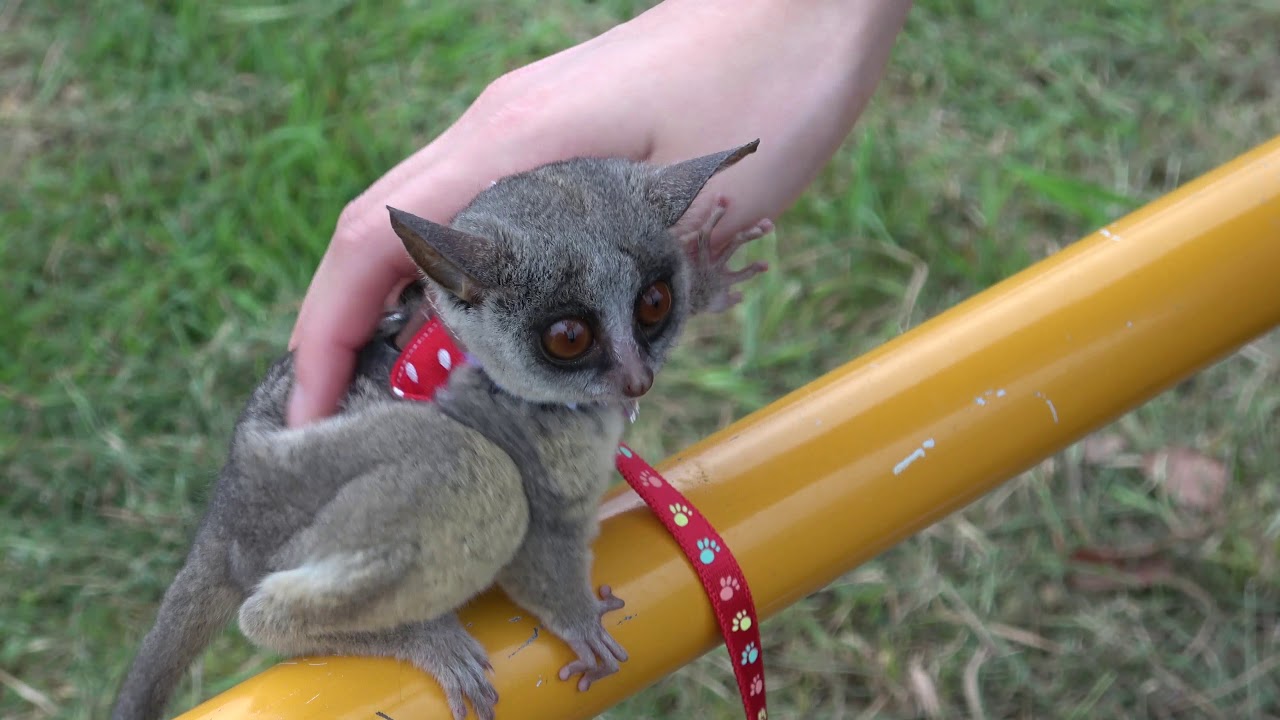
(682, 79)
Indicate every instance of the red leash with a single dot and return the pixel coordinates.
(721, 577)
(425, 365)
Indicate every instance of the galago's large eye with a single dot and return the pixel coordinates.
(654, 304)
(567, 339)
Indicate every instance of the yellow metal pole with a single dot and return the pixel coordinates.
(842, 469)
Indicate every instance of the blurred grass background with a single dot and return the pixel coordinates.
(170, 173)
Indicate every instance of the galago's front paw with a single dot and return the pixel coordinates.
(598, 653)
(713, 280)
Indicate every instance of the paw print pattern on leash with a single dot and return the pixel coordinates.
(728, 586)
(708, 549)
(680, 514)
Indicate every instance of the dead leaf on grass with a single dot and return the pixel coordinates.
(1101, 449)
(1112, 569)
(1193, 480)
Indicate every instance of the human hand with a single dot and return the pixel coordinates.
(686, 78)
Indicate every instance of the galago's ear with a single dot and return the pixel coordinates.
(673, 188)
(459, 262)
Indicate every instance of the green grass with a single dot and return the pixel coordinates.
(170, 174)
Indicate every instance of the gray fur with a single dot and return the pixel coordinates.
(363, 533)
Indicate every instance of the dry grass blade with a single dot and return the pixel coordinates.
(1263, 669)
(972, 690)
(919, 275)
(923, 689)
(28, 693)
(1024, 637)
